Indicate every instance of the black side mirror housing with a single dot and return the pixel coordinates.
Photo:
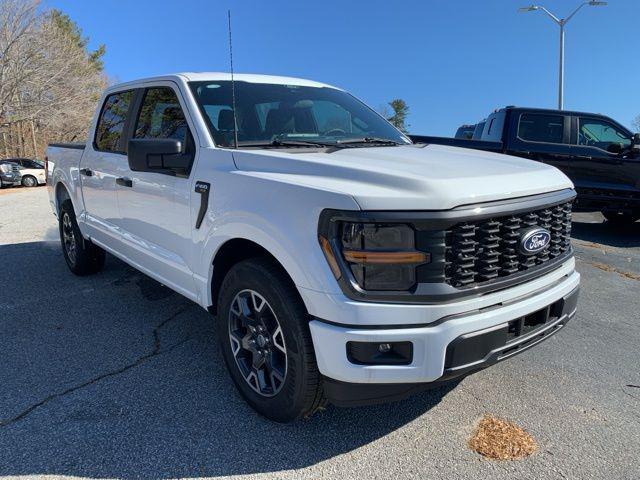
(157, 155)
(635, 142)
(615, 148)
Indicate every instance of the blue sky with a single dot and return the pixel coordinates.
(452, 61)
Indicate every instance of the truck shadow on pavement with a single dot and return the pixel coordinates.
(114, 375)
(607, 234)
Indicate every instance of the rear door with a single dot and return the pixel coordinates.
(598, 162)
(103, 161)
(542, 136)
(155, 214)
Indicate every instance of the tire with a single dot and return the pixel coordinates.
(82, 256)
(294, 389)
(620, 219)
(29, 181)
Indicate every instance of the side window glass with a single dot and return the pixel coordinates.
(601, 134)
(111, 122)
(535, 127)
(161, 116)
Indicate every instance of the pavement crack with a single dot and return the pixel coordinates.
(157, 350)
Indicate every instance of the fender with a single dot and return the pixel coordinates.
(278, 245)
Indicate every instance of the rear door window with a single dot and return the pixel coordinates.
(536, 127)
(111, 122)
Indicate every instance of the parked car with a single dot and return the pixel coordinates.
(32, 171)
(465, 131)
(599, 155)
(9, 174)
(343, 263)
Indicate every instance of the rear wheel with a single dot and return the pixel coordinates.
(82, 256)
(263, 330)
(29, 181)
(617, 219)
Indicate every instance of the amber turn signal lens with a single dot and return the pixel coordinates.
(386, 258)
(331, 259)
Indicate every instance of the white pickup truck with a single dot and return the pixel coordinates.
(342, 262)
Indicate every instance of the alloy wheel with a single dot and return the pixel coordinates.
(69, 238)
(257, 343)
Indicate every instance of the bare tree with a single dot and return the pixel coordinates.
(49, 81)
(636, 124)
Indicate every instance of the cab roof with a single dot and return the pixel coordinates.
(223, 76)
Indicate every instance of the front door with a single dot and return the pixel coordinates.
(155, 213)
(603, 160)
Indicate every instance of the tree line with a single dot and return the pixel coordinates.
(49, 80)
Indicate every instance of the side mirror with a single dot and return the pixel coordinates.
(635, 141)
(157, 154)
(615, 148)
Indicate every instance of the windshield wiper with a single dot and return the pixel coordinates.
(365, 140)
(280, 142)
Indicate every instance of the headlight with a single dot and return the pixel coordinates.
(378, 256)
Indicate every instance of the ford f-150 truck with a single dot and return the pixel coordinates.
(342, 262)
(600, 156)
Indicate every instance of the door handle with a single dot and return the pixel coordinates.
(584, 157)
(124, 182)
(203, 189)
(86, 172)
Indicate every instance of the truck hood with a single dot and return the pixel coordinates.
(411, 177)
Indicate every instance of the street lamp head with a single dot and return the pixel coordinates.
(531, 8)
(593, 3)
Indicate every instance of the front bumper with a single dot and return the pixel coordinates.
(442, 349)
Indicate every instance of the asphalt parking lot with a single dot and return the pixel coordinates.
(115, 376)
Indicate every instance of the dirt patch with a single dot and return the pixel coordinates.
(501, 440)
(609, 268)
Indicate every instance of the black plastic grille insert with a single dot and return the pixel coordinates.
(479, 252)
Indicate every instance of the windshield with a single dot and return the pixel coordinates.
(270, 114)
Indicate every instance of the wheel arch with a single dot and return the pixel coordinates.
(62, 194)
(232, 252)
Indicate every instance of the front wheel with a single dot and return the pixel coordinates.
(263, 330)
(82, 256)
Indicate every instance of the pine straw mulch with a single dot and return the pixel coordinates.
(501, 440)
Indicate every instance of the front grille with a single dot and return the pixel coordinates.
(483, 251)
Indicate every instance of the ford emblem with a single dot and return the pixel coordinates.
(534, 240)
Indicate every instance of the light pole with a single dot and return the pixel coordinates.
(561, 22)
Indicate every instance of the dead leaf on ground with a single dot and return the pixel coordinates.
(501, 440)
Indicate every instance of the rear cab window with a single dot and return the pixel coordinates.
(110, 128)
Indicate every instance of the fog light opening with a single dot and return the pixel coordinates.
(374, 353)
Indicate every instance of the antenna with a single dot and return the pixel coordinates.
(233, 87)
